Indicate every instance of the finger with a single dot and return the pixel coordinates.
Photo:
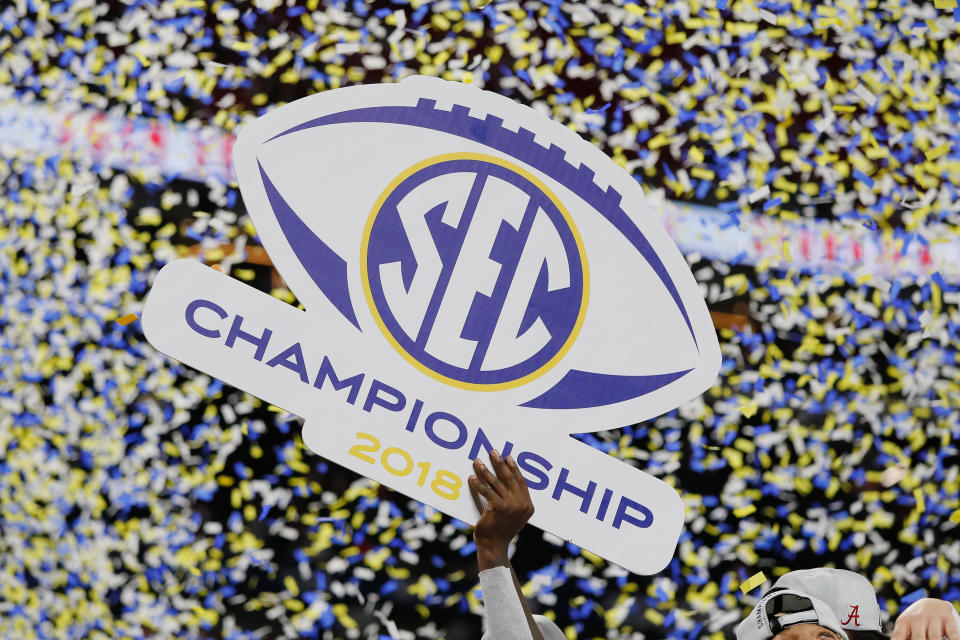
(524, 492)
(918, 630)
(500, 468)
(476, 496)
(517, 476)
(951, 632)
(901, 631)
(935, 629)
(484, 490)
(950, 629)
(483, 473)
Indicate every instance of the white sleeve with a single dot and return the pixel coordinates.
(956, 617)
(548, 629)
(504, 619)
(508, 621)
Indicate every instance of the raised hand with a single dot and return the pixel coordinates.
(927, 619)
(508, 504)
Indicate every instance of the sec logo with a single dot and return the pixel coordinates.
(476, 245)
(474, 271)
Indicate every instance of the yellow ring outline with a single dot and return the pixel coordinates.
(364, 276)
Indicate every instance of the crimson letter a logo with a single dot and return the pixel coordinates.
(854, 616)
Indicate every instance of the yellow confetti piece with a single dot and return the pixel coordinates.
(938, 152)
(736, 281)
(955, 517)
(127, 319)
(340, 611)
(786, 251)
(753, 582)
(676, 37)
(654, 616)
(658, 141)
(744, 511)
(945, 4)
(749, 409)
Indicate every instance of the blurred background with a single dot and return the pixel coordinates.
(804, 156)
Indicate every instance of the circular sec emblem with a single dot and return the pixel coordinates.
(474, 271)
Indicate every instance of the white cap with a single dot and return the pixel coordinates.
(782, 608)
(848, 594)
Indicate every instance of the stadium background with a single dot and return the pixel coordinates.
(140, 498)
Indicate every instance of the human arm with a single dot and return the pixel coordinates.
(928, 619)
(508, 507)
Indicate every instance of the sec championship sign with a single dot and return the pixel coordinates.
(474, 276)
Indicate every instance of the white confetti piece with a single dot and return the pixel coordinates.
(759, 194)
(347, 47)
(865, 95)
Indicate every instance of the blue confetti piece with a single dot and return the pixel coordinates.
(862, 177)
(327, 619)
(906, 245)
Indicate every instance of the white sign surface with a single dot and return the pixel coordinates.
(475, 276)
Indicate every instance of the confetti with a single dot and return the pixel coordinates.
(752, 582)
(759, 194)
(865, 95)
(938, 152)
(143, 497)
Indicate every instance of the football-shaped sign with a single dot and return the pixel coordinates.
(474, 276)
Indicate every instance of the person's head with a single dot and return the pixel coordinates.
(787, 614)
(807, 631)
(849, 595)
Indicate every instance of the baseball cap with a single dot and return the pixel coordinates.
(848, 594)
(782, 608)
